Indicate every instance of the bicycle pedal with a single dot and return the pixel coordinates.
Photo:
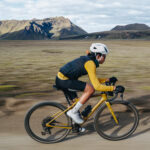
(77, 128)
(80, 130)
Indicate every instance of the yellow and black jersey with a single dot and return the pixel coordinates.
(82, 66)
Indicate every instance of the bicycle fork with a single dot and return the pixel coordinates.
(112, 112)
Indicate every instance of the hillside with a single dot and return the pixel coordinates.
(133, 34)
(61, 28)
(135, 26)
(36, 29)
(131, 31)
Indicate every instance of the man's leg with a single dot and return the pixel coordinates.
(73, 113)
(88, 91)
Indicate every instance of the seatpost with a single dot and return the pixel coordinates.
(67, 98)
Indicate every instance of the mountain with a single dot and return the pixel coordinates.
(62, 28)
(134, 34)
(135, 26)
(36, 29)
(130, 31)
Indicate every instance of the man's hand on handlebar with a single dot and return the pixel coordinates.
(119, 89)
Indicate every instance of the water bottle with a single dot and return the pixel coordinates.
(86, 111)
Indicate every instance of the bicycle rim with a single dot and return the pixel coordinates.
(42, 113)
(126, 115)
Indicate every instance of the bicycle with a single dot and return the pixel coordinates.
(47, 122)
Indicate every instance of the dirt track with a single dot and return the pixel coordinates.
(13, 135)
(13, 141)
(93, 141)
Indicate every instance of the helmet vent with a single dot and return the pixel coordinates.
(94, 48)
(106, 50)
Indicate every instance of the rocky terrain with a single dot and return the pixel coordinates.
(36, 29)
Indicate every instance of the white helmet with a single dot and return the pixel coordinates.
(99, 48)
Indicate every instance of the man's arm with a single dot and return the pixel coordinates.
(103, 80)
(91, 69)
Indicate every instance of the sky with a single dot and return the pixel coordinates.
(90, 15)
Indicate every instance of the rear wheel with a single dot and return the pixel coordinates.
(40, 114)
(126, 115)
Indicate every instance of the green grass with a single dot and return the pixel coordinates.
(145, 88)
(7, 87)
(30, 94)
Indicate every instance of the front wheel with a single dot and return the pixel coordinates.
(41, 114)
(127, 116)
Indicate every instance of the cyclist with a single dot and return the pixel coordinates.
(67, 78)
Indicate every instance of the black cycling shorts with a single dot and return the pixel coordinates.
(70, 86)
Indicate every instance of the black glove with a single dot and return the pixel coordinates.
(119, 89)
(113, 80)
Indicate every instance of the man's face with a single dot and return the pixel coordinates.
(101, 59)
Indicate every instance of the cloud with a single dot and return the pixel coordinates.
(93, 16)
(117, 4)
(135, 12)
(15, 1)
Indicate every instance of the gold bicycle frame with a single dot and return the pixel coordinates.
(101, 101)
